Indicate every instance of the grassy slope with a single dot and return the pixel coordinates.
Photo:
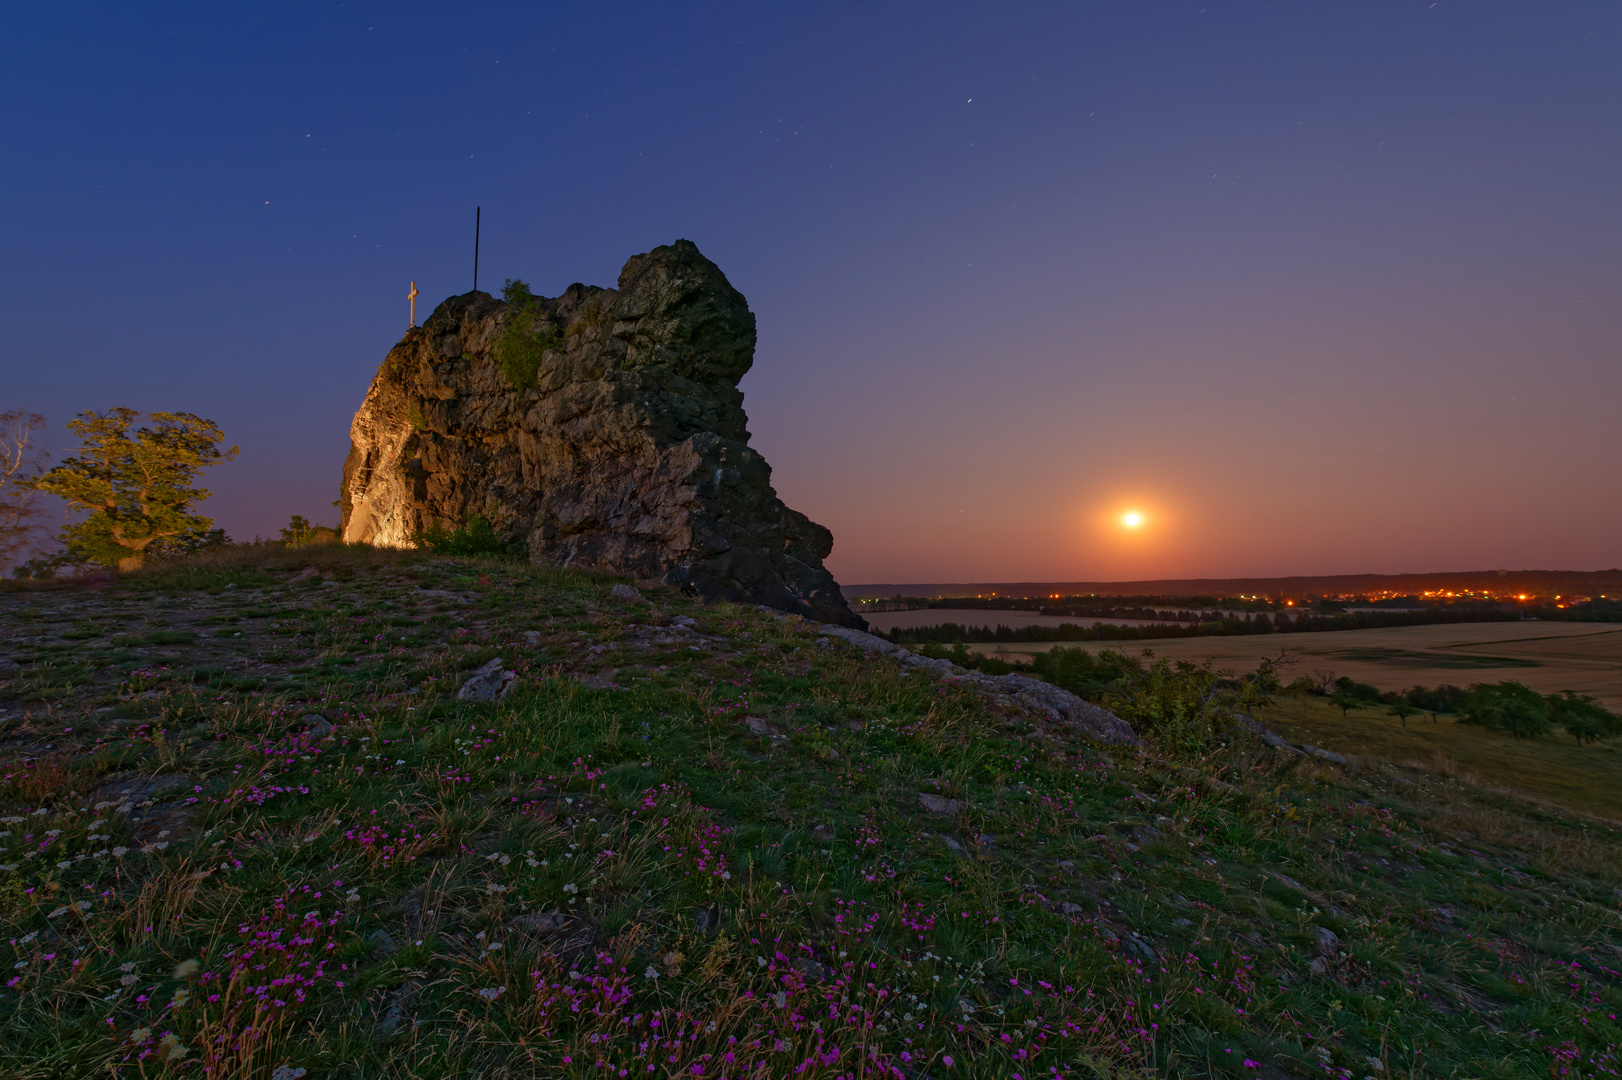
(625, 881)
(1587, 779)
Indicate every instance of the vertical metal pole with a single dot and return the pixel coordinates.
(477, 210)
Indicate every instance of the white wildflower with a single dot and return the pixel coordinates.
(780, 999)
(490, 993)
(650, 973)
(571, 887)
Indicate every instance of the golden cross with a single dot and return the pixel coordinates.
(412, 296)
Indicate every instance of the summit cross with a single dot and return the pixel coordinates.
(412, 296)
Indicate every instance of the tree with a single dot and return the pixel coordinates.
(1346, 701)
(22, 459)
(136, 486)
(1583, 718)
(300, 532)
(1508, 706)
(1401, 710)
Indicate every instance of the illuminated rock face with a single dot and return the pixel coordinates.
(625, 451)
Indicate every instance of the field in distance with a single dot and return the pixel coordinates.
(1549, 657)
(885, 621)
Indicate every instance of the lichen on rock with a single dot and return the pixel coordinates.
(625, 449)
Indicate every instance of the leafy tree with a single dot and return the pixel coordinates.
(1507, 706)
(1302, 684)
(1583, 718)
(1444, 699)
(135, 486)
(1363, 692)
(300, 531)
(1402, 710)
(22, 459)
(1346, 701)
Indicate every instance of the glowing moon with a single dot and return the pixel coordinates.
(1132, 519)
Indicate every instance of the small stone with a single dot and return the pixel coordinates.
(810, 969)
(940, 804)
(686, 622)
(318, 725)
(1067, 866)
(952, 843)
(1318, 967)
(1184, 923)
(382, 943)
(532, 637)
(1069, 908)
(1328, 941)
(489, 683)
(1322, 754)
(758, 727)
(539, 922)
(1143, 949)
(625, 592)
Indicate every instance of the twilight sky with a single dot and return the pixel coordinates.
(1314, 287)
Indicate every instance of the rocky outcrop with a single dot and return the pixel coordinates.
(1093, 721)
(617, 442)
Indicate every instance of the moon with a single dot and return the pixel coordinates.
(1132, 519)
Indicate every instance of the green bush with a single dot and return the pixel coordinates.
(1084, 672)
(1183, 706)
(959, 654)
(477, 537)
(526, 338)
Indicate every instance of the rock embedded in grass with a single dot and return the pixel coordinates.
(489, 683)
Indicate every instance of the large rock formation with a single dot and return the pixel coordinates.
(605, 427)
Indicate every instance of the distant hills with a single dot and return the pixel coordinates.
(1494, 582)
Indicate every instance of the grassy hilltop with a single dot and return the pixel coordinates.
(247, 830)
